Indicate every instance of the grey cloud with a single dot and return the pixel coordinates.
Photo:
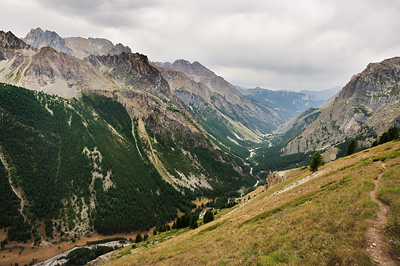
(304, 44)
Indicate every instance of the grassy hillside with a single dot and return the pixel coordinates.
(311, 219)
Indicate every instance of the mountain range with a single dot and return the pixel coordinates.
(76, 46)
(95, 138)
(166, 140)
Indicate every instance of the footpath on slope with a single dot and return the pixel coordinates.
(377, 245)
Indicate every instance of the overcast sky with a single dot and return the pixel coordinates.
(282, 44)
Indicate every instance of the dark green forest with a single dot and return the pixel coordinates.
(45, 149)
(54, 146)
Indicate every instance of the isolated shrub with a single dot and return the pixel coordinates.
(138, 238)
(316, 161)
(352, 147)
(208, 217)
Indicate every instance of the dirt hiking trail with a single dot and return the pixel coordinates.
(377, 245)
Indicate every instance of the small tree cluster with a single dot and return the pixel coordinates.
(3, 243)
(185, 221)
(392, 134)
(316, 161)
(163, 228)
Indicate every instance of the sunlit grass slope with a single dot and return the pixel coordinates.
(320, 222)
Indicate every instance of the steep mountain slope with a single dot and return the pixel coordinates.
(75, 46)
(257, 118)
(80, 166)
(368, 105)
(287, 104)
(84, 165)
(150, 135)
(320, 218)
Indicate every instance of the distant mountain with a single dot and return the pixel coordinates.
(367, 106)
(75, 46)
(232, 121)
(319, 97)
(287, 104)
(39, 38)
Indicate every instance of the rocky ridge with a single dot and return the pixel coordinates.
(75, 46)
(368, 105)
(46, 69)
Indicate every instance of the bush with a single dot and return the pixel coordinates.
(316, 161)
(208, 217)
(352, 147)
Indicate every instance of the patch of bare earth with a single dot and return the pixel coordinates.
(377, 244)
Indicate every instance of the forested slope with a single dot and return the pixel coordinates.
(77, 164)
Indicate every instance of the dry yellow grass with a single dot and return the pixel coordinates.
(320, 222)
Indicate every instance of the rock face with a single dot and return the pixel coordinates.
(39, 38)
(133, 70)
(75, 46)
(9, 41)
(368, 105)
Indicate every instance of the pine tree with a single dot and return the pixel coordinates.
(193, 222)
(352, 147)
(208, 217)
(138, 238)
(316, 161)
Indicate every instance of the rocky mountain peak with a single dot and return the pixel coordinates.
(134, 70)
(10, 41)
(39, 38)
(367, 106)
(82, 47)
(75, 46)
(375, 78)
(195, 70)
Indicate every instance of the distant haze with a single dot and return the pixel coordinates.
(293, 45)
